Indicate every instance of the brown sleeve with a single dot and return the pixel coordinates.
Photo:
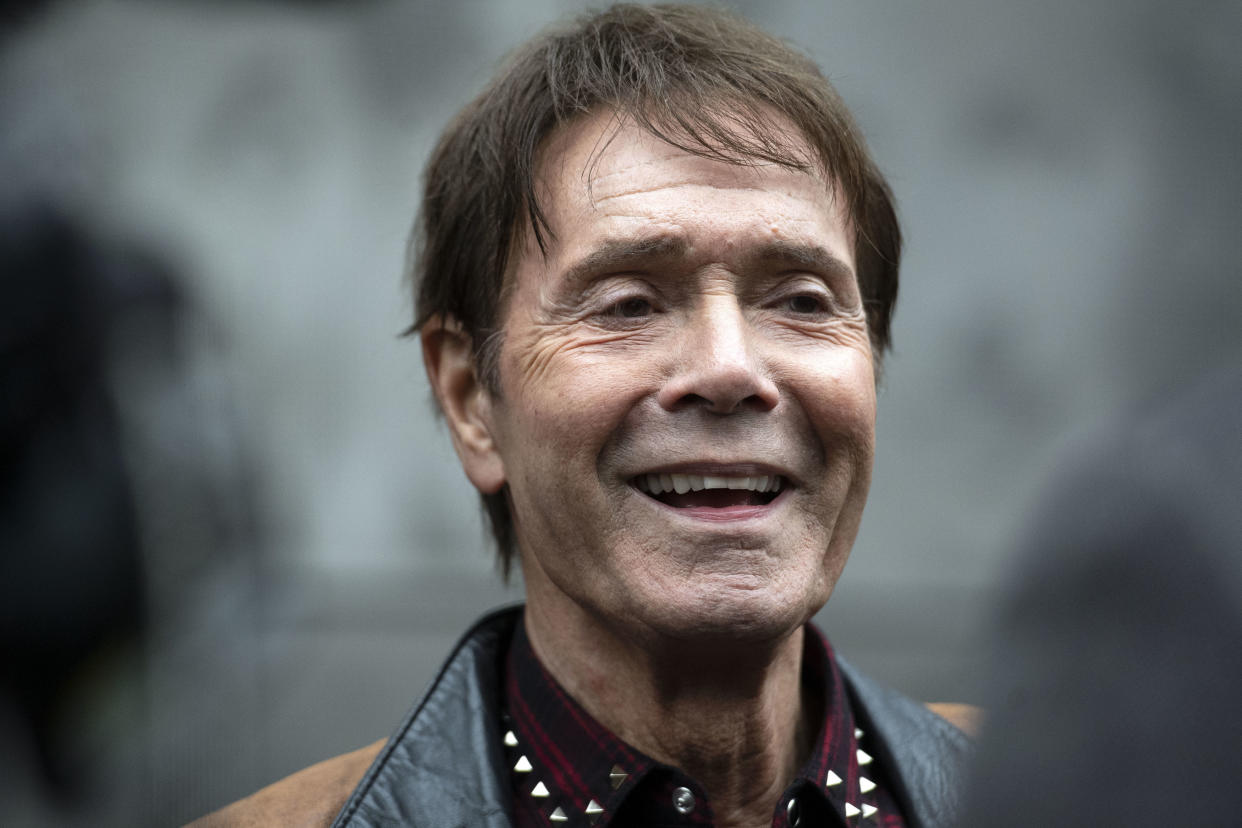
(965, 717)
(310, 797)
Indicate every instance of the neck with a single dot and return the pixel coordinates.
(731, 717)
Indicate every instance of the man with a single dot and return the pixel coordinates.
(656, 270)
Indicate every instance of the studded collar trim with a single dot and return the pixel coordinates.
(568, 769)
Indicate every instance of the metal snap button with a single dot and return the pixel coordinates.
(794, 811)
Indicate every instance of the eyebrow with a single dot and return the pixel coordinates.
(804, 256)
(626, 254)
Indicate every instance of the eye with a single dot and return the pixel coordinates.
(635, 307)
(806, 304)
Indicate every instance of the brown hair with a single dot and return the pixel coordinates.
(704, 81)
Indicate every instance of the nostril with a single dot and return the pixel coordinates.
(723, 400)
(693, 400)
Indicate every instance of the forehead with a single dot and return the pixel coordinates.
(604, 175)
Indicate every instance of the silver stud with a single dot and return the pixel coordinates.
(558, 815)
(869, 811)
(794, 811)
(858, 733)
(864, 758)
(540, 791)
(510, 739)
(523, 765)
(833, 780)
(617, 777)
(865, 785)
(850, 811)
(683, 800)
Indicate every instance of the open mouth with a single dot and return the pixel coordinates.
(685, 491)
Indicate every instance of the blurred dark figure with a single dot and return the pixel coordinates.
(71, 585)
(1118, 674)
(16, 13)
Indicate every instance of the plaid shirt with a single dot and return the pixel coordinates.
(566, 769)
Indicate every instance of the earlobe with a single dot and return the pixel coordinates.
(465, 402)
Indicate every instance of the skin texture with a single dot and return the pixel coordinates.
(690, 315)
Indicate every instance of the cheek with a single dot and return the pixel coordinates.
(557, 419)
(569, 384)
(564, 358)
(840, 402)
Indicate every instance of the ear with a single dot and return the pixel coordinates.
(466, 403)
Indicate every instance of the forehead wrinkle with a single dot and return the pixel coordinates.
(706, 168)
(596, 157)
(714, 174)
(689, 182)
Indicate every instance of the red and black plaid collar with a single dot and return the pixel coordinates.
(567, 769)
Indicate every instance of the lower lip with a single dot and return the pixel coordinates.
(727, 514)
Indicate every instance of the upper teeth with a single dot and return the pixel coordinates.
(682, 483)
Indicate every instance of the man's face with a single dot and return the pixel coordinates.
(694, 324)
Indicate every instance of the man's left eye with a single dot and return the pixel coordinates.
(806, 303)
(633, 308)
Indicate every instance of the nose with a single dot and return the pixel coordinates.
(717, 365)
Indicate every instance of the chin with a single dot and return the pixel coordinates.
(730, 610)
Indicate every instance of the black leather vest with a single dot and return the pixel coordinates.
(444, 767)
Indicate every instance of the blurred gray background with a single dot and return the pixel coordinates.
(1068, 175)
